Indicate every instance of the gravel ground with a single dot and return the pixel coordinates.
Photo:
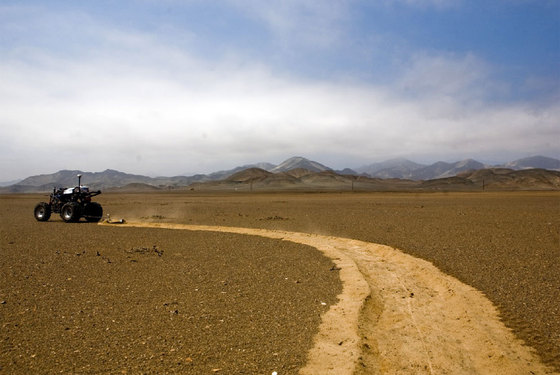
(505, 244)
(83, 298)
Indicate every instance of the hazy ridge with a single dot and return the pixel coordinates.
(537, 172)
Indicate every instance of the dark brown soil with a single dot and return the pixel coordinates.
(83, 298)
(504, 244)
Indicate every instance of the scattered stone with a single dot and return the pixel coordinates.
(157, 251)
(145, 250)
(275, 217)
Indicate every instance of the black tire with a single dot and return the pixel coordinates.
(42, 211)
(93, 212)
(70, 212)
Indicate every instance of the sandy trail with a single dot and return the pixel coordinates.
(398, 314)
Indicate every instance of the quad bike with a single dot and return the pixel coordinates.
(71, 203)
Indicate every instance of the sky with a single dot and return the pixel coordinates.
(171, 87)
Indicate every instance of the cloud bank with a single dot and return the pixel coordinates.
(132, 101)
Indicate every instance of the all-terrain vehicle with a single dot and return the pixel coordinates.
(71, 203)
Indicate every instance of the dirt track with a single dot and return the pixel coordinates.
(504, 244)
(399, 315)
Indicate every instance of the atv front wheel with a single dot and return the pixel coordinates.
(70, 212)
(93, 212)
(42, 211)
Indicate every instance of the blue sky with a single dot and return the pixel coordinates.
(171, 87)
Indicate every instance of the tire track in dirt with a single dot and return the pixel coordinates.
(398, 314)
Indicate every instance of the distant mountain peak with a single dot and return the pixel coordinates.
(299, 162)
(535, 162)
(392, 168)
(295, 169)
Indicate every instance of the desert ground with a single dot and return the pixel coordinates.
(88, 298)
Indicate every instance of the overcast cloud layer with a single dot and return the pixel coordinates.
(173, 87)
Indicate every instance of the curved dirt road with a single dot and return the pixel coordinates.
(398, 314)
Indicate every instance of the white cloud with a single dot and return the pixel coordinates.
(142, 119)
(442, 75)
(141, 105)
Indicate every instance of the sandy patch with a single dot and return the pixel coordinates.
(398, 314)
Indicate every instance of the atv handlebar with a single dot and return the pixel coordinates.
(94, 193)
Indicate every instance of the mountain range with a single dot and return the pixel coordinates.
(296, 170)
(406, 169)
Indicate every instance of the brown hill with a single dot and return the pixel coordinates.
(249, 178)
(449, 183)
(298, 172)
(508, 179)
(325, 178)
(303, 179)
(281, 179)
(249, 174)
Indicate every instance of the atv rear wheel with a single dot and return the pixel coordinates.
(42, 211)
(70, 212)
(93, 212)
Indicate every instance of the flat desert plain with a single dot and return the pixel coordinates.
(88, 298)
